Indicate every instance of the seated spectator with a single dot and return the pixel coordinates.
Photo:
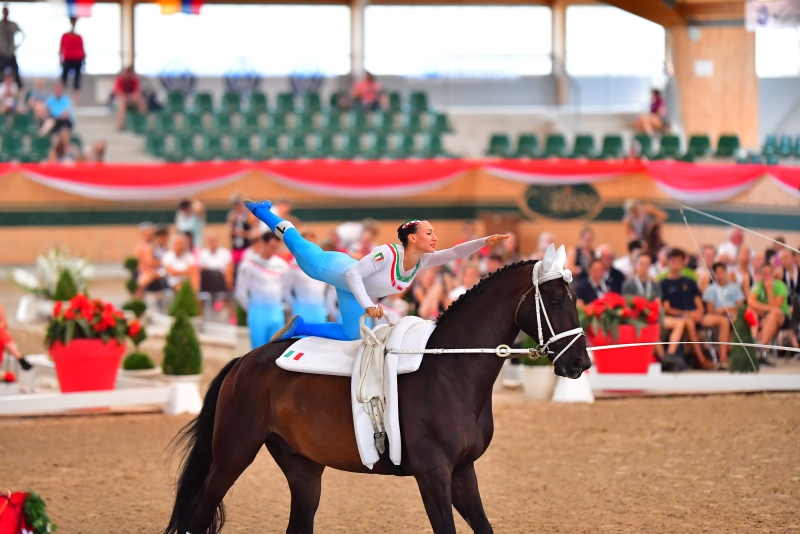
(656, 119)
(97, 153)
(493, 263)
(191, 217)
(367, 241)
(612, 276)
(180, 264)
(594, 285)
(427, 291)
(63, 150)
(579, 257)
(217, 259)
(128, 95)
(470, 276)
(61, 113)
(72, 56)
(769, 299)
(394, 307)
(789, 272)
(704, 270)
(640, 218)
(722, 299)
(7, 343)
(728, 252)
(625, 264)
(366, 93)
(771, 254)
(148, 256)
(742, 272)
(9, 94)
(659, 268)
(682, 299)
(37, 100)
(643, 285)
(509, 249)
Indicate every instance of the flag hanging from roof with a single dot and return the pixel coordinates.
(190, 7)
(72, 8)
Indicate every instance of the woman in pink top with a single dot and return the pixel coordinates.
(367, 92)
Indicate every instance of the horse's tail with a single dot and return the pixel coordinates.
(194, 440)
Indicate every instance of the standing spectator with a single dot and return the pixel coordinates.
(180, 264)
(191, 217)
(37, 100)
(306, 296)
(259, 289)
(8, 45)
(128, 94)
(728, 252)
(60, 110)
(682, 299)
(578, 258)
(240, 225)
(722, 299)
(9, 94)
(612, 276)
(72, 56)
(640, 218)
(770, 300)
(625, 264)
(366, 93)
(594, 285)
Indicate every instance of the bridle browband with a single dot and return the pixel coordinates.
(538, 277)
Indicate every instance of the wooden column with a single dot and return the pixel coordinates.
(716, 74)
(559, 9)
(126, 20)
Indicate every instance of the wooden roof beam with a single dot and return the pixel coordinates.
(652, 10)
(705, 10)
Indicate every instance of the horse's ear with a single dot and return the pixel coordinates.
(561, 257)
(549, 258)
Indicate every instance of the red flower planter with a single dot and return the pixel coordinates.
(628, 360)
(87, 364)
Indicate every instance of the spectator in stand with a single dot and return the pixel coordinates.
(368, 240)
(180, 264)
(191, 217)
(427, 291)
(217, 259)
(366, 93)
(128, 94)
(728, 252)
(7, 343)
(682, 299)
(612, 277)
(643, 285)
(703, 270)
(470, 276)
(656, 120)
(722, 299)
(63, 150)
(789, 271)
(9, 94)
(578, 258)
(37, 100)
(594, 285)
(394, 307)
(240, 224)
(626, 264)
(8, 45)
(72, 56)
(306, 296)
(659, 268)
(148, 262)
(742, 273)
(60, 110)
(259, 289)
(771, 254)
(545, 240)
(770, 300)
(640, 218)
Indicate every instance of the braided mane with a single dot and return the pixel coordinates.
(477, 288)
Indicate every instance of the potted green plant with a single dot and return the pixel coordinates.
(744, 359)
(86, 341)
(139, 365)
(243, 343)
(538, 377)
(183, 361)
(131, 265)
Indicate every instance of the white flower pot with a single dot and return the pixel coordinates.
(142, 373)
(243, 344)
(9, 388)
(538, 381)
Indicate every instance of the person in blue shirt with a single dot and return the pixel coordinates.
(62, 112)
(722, 299)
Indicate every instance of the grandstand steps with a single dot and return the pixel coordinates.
(95, 124)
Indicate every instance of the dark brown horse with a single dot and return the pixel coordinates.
(306, 420)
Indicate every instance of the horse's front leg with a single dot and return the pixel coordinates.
(435, 488)
(467, 499)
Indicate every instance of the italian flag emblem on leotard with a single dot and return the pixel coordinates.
(292, 354)
(378, 256)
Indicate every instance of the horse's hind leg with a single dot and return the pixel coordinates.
(305, 484)
(467, 499)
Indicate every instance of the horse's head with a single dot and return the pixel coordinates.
(548, 314)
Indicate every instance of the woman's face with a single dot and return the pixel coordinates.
(587, 238)
(425, 238)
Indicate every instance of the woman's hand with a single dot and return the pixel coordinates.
(492, 239)
(376, 312)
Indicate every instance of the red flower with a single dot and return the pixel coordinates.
(589, 311)
(627, 312)
(70, 315)
(100, 326)
(640, 303)
(751, 317)
(57, 307)
(80, 302)
(135, 328)
(9, 377)
(87, 313)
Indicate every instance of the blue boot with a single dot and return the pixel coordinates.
(289, 330)
(261, 209)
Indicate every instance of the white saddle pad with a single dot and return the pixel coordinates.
(318, 355)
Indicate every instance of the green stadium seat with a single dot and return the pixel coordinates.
(351, 146)
(584, 147)
(276, 123)
(395, 104)
(223, 123)
(383, 121)
(297, 147)
(418, 102)
(212, 148)
(331, 121)
(231, 102)
(203, 103)
(312, 103)
(378, 146)
(555, 146)
(432, 147)
(23, 123)
(612, 147)
(357, 122)
(136, 122)
(406, 147)
(645, 145)
(439, 124)
(268, 147)
(250, 123)
(323, 145)
(176, 102)
(240, 148)
(527, 146)
(770, 145)
(412, 122)
(40, 148)
(727, 146)
(499, 145)
(670, 147)
(184, 145)
(796, 152)
(699, 145)
(335, 100)
(785, 146)
(257, 104)
(304, 123)
(284, 104)
(164, 123)
(155, 144)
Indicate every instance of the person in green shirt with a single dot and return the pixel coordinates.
(769, 299)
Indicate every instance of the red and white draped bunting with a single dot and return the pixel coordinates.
(686, 182)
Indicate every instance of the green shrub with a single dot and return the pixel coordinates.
(182, 351)
(131, 265)
(241, 316)
(131, 285)
(530, 343)
(137, 361)
(136, 306)
(743, 359)
(66, 288)
(185, 302)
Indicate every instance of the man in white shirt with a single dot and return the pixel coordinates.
(259, 289)
(180, 264)
(218, 259)
(728, 252)
(625, 264)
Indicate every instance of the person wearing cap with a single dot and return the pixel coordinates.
(387, 269)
